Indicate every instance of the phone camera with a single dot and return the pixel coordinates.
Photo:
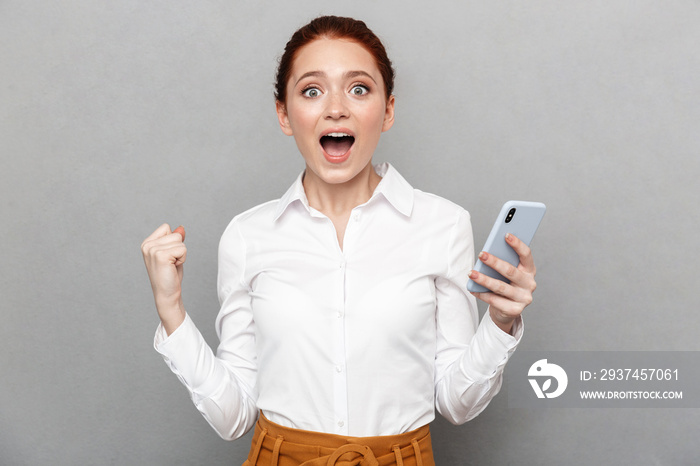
(509, 217)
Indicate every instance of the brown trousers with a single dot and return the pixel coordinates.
(275, 445)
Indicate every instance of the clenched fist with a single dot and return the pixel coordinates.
(164, 253)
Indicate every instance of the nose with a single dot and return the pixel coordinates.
(336, 107)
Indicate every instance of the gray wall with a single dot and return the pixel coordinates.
(118, 116)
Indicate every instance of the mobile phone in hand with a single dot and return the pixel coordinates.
(519, 218)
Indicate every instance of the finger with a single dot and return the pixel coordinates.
(496, 286)
(174, 253)
(504, 268)
(174, 238)
(180, 260)
(181, 231)
(501, 305)
(181, 257)
(161, 231)
(524, 252)
(166, 238)
(151, 248)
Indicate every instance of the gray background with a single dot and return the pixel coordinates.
(118, 116)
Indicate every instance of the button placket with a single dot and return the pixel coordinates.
(339, 357)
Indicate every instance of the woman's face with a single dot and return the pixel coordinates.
(336, 108)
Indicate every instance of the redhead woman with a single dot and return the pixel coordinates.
(345, 321)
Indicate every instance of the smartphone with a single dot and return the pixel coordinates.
(520, 218)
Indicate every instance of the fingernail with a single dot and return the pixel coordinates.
(483, 255)
(509, 237)
(473, 274)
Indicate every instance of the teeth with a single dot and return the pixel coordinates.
(338, 135)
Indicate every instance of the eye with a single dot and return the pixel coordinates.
(311, 92)
(359, 89)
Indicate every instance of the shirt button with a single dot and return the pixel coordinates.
(338, 369)
(339, 314)
(356, 216)
(341, 423)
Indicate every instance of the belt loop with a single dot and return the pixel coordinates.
(397, 453)
(258, 445)
(417, 452)
(276, 451)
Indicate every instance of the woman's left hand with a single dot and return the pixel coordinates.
(507, 301)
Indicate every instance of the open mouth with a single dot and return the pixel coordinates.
(337, 144)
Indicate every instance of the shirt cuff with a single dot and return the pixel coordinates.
(189, 357)
(490, 349)
(163, 343)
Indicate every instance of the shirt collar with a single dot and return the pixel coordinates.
(393, 187)
(294, 193)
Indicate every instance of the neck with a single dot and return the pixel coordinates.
(339, 199)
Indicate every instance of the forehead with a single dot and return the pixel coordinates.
(333, 56)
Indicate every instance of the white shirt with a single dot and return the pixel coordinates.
(361, 341)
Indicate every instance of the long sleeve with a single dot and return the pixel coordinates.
(470, 357)
(221, 386)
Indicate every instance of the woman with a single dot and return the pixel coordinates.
(344, 316)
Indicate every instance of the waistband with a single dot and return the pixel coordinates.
(275, 445)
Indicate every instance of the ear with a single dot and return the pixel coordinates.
(283, 118)
(389, 114)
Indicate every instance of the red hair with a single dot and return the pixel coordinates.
(333, 27)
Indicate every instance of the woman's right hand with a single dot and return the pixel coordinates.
(164, 253)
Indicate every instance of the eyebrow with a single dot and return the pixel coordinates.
(346, 75)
